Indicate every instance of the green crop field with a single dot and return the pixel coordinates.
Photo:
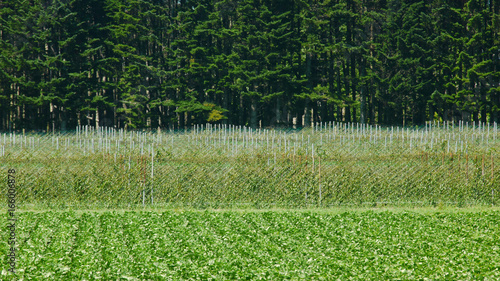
(337, 201)
(257, 245)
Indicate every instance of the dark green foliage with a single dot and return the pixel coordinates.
(173, 64)
(256, 245)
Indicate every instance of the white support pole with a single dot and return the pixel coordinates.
(152, 173)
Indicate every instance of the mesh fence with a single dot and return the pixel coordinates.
(208, 166)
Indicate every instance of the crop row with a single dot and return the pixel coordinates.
(267, 245)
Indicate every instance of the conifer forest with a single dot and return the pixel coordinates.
(257, 63)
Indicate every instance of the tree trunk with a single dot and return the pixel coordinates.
(253, 114)
(353, 85)
(307, 109)
(362, 94)
(241, 111)
(97, 118)
(307, 114)
(347, 111)
(484, 103)
(278, 111)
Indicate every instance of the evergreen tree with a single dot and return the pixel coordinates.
(166, 63)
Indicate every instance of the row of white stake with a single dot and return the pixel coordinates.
(236, 138)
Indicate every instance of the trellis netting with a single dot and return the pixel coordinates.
(223, 166)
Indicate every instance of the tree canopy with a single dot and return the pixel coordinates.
(175, 63)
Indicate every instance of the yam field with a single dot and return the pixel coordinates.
(333, 202)
(257, 245)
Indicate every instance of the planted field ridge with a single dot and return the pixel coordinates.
(257, 245)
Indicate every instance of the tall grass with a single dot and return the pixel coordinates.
(226, 166)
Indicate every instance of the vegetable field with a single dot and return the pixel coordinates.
(334, 164)
(193, 205)
(256, 245)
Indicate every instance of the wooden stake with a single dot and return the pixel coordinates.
(492, 166)
(482, 165)
(467, 166)
(305, 169)
(312, 152)
(152, 173)
(319, 175)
